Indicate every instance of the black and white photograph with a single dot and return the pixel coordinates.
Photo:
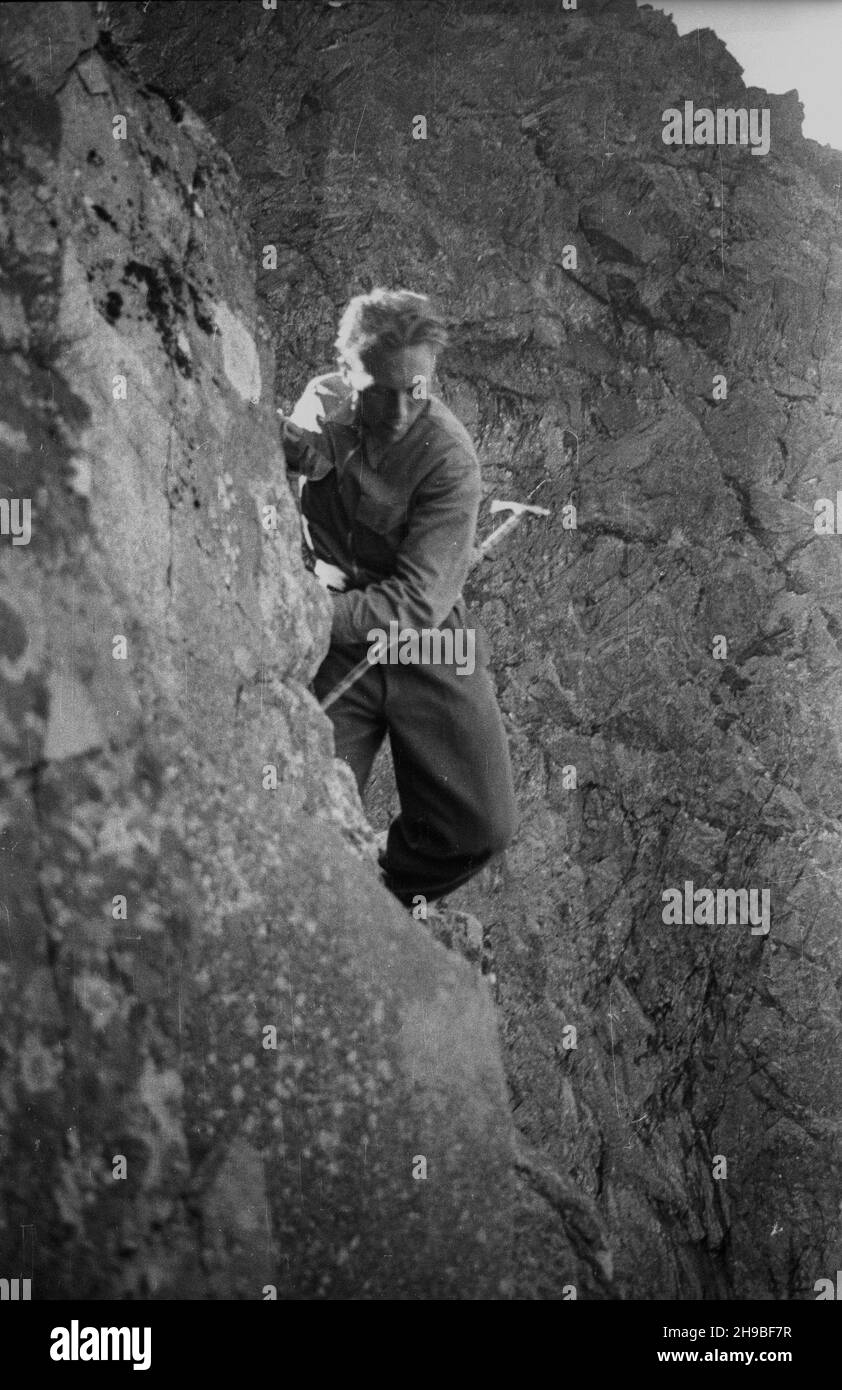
(421, 672)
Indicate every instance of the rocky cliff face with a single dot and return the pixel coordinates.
(231, 1068)
(669, 668)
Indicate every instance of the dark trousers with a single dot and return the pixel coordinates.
(451, 761)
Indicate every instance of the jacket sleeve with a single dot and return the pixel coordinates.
(432, 563)
(304, 436)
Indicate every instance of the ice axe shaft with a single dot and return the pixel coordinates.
(518, 511)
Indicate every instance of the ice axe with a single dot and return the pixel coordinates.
(518, 511)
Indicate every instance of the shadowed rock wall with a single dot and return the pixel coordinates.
(693, 761)
(225, 1051)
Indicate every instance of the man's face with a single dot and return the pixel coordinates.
(401, 387)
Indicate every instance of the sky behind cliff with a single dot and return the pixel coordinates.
(780, 44)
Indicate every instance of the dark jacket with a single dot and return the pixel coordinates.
(401, 528)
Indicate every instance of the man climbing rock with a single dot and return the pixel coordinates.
(390, 489)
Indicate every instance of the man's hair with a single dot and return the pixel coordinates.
(387, 319)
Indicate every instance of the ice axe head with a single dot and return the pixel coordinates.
(516, 511)
(517, 508)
